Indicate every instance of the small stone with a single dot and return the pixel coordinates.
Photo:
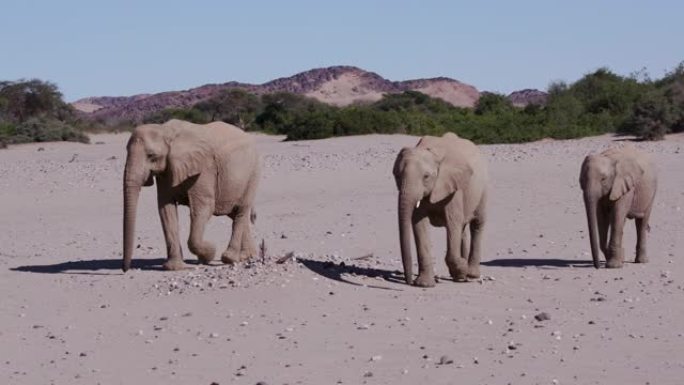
(376, 358)
(445, 360)
(214, 335)
(543, 316)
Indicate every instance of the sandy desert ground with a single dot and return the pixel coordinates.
(338, 312)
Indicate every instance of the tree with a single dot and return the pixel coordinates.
(23, 99)
(234, 106)
(492, 103)
(651, 118)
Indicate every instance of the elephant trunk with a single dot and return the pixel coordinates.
(591, 205)
(406, 205)
(131, 194)
(135, 175)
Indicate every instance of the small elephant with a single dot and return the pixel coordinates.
(442, 181)
(214, 169)
(618, 183)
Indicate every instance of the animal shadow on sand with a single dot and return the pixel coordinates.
(542, 263)
(336, 271)
(91, 266)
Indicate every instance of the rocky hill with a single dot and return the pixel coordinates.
(339, 85)
(525, 97)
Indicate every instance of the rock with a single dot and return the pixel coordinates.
(543, 316)
(445, 360)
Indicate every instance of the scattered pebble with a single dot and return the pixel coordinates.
(543, 316)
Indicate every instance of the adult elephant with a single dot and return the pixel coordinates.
(617, 184)
(213, 169)
(441, 181)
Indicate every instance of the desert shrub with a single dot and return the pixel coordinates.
(651, 118)
(235, 106)
(190, 114)
(46, 130)
(33, 111)
(492, 103)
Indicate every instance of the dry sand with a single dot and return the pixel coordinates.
(339, 313)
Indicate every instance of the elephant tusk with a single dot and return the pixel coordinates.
(417, 204)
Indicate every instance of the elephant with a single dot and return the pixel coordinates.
(617, 184)
(214, 169)
(441, 181)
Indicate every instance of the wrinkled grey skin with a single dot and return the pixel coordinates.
(617, 184)
(213, 169)
(442, 181)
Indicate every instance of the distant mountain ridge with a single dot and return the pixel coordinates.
(337, 85)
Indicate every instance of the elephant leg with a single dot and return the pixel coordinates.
(232, 254)
(465, 242)
(642, 229)
(249, 249)
(426, 271)
(199, 216)
(616, 252)
(476, 231)
(603, 222)
(168, 214)
(457, 264)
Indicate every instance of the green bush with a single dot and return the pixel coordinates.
(33, 111)
(46, 130)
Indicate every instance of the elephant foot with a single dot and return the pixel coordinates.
(641, 258)
(231, 256)
(459, 274)
(174, 265)
(205, 254)
(616, 259)
(473, 272)
(424, 280)
(614, 263)
(246, 255)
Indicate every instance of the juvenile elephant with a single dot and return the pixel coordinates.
(618, 183)
(442, 181)
(213, 169)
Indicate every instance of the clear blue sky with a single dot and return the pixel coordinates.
(94, 48)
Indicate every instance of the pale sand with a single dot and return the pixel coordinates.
(69, 316)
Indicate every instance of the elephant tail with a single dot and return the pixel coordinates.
(253, 215)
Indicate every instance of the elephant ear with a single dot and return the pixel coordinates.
(396, 170)
(188, 156)
(627, 174)
(450, 177)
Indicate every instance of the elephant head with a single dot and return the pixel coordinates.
(157, 150)
(423, 174)
(605, 178)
